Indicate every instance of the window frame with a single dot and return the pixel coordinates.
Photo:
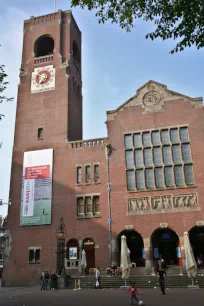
(77, 174)
(40, 133)
(86, 180)
(168, 134)
(86, 214)
(34, 249)
(96, 179)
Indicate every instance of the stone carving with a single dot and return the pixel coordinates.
(164, 203)
(151, 98)
(151, 87)
(45, 18)
(163, 225)
(200, 223)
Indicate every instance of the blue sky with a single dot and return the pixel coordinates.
(115, 64)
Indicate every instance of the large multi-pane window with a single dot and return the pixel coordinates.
(158, 159)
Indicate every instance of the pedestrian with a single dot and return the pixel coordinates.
(161, 274)
(133, 291)
(42, 277)
(47, 277)
(53, 280)
(98, 278)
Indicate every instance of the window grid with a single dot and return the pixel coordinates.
(79, 175)
(87, 174)
(34, 255)
(143, 151)
(88, 206)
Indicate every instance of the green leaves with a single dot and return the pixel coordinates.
(175, 19)
(3, 85)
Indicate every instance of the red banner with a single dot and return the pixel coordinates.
(38, 172)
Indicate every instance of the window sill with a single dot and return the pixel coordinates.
(159, 189)
(88, 217)
(79, 184)
(41, 138)
(34, 262)
(88, 183)
(97, 182)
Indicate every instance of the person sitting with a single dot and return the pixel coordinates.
(199, 262)
(113, 269)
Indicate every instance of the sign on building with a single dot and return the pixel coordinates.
(36, 195)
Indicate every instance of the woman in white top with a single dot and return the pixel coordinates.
(98, 277)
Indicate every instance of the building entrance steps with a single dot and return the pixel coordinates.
(142, 281)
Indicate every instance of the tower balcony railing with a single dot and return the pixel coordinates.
(43, 59)
(90, 143)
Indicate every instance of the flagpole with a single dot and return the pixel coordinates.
(55, 5)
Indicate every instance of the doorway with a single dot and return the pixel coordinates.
(89, 248)
(135, 245)
(196, 236)
(165, 244)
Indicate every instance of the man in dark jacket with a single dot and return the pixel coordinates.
(53, 280)
(161, 274)
(47, 277)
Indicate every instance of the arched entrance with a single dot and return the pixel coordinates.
(89, 248)
(72, 254)
(135, 245)
(196, 236)
(165, 243)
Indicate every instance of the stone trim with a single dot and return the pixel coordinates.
(151, 97)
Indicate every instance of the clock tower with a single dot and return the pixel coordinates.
(49, 108)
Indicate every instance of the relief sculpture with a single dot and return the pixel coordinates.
(164, 203)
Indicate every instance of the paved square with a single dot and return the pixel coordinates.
(106, 297)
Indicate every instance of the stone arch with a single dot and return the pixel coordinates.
(165, 243)
(43, 46)
(72, 254)
(135, 244)
(196, 236)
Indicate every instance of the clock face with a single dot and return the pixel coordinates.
(43, 79)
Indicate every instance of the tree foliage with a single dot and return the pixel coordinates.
(3, 85)
(182, 20)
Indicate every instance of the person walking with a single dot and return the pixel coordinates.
(42, 277)
(133, 291)
(98, 278)
(53, 280)
(161, 273)
(47, 277)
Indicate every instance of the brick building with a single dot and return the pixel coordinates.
(152, 155)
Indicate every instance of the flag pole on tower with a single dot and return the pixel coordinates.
(55, 5)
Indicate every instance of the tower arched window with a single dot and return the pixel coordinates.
(44, 45)
(76, 53)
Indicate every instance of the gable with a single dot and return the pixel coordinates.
(151, 97)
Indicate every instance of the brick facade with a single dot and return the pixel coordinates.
(59, 112)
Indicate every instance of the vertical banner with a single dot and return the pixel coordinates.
(36, 195)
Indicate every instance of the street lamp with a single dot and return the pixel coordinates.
(108, 151)
(1, 203)
(60, 235)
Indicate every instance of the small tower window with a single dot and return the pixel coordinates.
(44, 45)
(40, 133)
(76, 53)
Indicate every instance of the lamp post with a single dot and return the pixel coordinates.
(1, 203)
(60, 235)
(108, 151)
